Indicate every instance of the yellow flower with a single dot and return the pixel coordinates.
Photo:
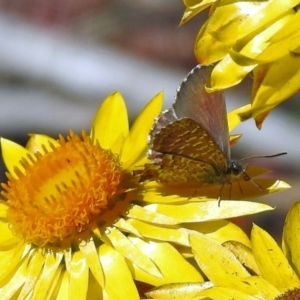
(69, 226)
(261, 271)
(261, 37)
(76, 224)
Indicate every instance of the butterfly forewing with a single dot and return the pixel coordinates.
(207, 109)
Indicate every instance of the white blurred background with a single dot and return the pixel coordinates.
(59, 59)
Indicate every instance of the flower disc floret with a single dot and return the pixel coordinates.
(62, 192)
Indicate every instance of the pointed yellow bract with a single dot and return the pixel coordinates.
(12, 154)
(134, 150)
(291, 236)
(261, 37)
(273, 265)
(40, 142)
(194, 7)
(115, 267)
(79, 273)
(172, 265)
(273, 274)
(110, 125)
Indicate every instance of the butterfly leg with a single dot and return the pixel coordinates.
(248, 178)
(219, 197)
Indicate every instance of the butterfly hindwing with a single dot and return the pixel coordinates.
(184, 152)
(178, 169)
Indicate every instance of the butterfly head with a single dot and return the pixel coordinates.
(235, 169)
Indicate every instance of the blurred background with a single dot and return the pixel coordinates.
(60, 59)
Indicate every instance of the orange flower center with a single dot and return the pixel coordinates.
(63, 192)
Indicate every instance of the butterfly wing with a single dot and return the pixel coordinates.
(207, 109)
(171, 168)
(190, 141)
(183, 151)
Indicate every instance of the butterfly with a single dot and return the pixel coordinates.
(190, 143)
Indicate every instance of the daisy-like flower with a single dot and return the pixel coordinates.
(261, 37)
(69, 227)
(261, 271)
(76, 224)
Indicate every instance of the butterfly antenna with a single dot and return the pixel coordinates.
(264, 156)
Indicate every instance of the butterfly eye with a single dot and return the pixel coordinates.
(235, 168)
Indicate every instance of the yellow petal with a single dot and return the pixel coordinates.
(89, 251)
(264, 50)
(7, 239)
(243, 253)
(135, 144)
(178, 291)
(269, 12)
(170, 262)
(233, 139)
(17, 280)
(291, 236)
(260, 115)
(9, 261)
(222, 293)
(223, 29)
(252, 46)
(124, 246)
(236, 22)
(207, 49)
(227, 22)
(3, 211)
(291, 29)
(12, 153)
(173, 234)
(45, 283)
(34, 269)
(153, 193)
(209, 210)
(79, 276)
(280, 82)
(140, 213)
(55, 283)
(228, 73)
(118, 280)
(219, 264)
(221, 231)
(234, 116)
(265, 290)
(110, 124)
(127, 227)
(271, 261)
(63, 292)
(36, 143)
(193, 8)
(95, 290)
